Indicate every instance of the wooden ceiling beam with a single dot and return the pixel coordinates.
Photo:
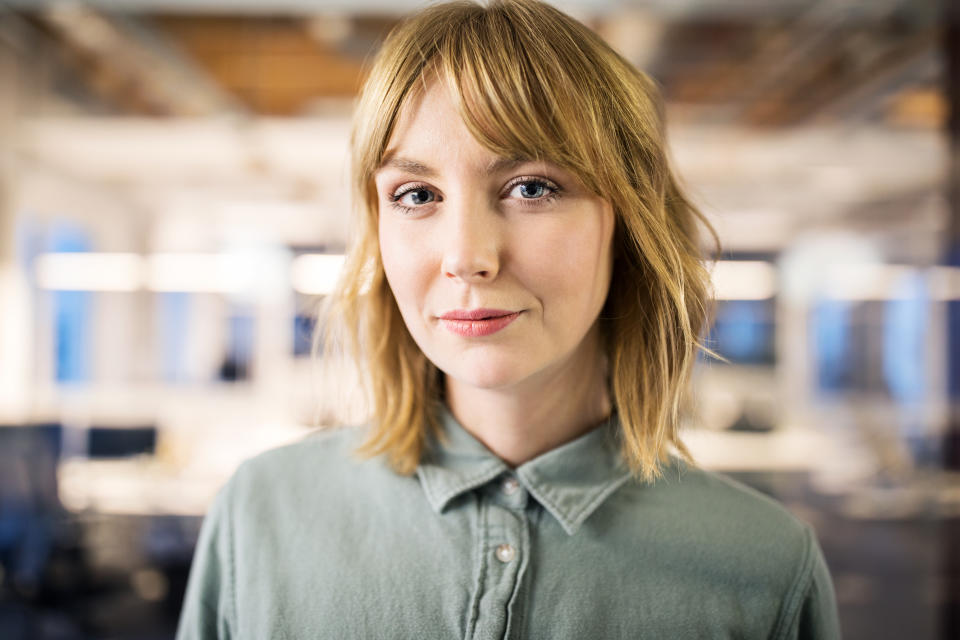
(826, 88)
(133, 67)
(274, 65)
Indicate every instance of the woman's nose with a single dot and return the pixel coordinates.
(471, 244)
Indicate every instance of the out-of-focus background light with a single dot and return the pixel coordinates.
(89, 271)
(175, 206)
(316, 274)
(744, 280)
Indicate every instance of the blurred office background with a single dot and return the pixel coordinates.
(174, 205)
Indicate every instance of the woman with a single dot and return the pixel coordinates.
(526, 298)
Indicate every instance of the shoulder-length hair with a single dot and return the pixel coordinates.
(531, 82)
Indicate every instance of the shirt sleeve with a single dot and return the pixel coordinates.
(815, 610)
(818, 618)
(208, 604)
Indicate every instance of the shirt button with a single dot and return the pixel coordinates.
(505, 553)
(510, 485)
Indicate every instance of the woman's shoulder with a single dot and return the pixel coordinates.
(694, 508)
(733, 529)
(323, 460)
(716, 499)
(319, 448)
(728, 550)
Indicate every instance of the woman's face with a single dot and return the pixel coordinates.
(499, 268)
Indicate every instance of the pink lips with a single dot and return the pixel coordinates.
(475, 323)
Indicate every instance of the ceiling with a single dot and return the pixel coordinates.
(399, 7)
(750, 62)
(783, 113)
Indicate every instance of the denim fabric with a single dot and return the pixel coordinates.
(306, 541)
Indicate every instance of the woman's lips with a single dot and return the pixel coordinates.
(479, 322)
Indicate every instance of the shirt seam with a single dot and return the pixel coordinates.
(544, 496)
(231, 578)
(575, 517)
(514, 615)
(535, 511)
(798, 589)
(606, 491)
(481, 570)
(444, 497)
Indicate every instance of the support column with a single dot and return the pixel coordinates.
(951, 50)
(950, 547)
(15, 342)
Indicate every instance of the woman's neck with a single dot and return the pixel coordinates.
(526, 420)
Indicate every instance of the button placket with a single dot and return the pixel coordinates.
(504, 539)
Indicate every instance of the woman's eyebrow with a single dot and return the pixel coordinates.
(408, 165)
(415, 166)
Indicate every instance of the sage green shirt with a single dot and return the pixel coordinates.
(305, 541)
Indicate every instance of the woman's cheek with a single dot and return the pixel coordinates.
(404, 261)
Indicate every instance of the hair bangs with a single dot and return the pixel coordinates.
(515, 92)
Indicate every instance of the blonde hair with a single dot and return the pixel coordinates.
(533, 83)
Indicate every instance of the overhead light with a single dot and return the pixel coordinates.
(316, 273)
(197, 272)
(89, 271)
(869, 281)
(744, 280)
(879, 281)
(161, 272)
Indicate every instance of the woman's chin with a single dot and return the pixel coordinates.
(489, 376)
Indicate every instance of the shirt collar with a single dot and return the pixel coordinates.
(570, 481)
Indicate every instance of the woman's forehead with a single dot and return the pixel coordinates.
(429, 129)
(431, 119)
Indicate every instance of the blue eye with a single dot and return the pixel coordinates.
(536, 190)
(415, 196)
(532, 189)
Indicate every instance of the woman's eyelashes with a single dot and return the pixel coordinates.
(410, 197)
(531, 191)
(527, 191)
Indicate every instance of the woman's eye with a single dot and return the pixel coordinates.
(414, 197)
(533, 190)
(417, 196)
